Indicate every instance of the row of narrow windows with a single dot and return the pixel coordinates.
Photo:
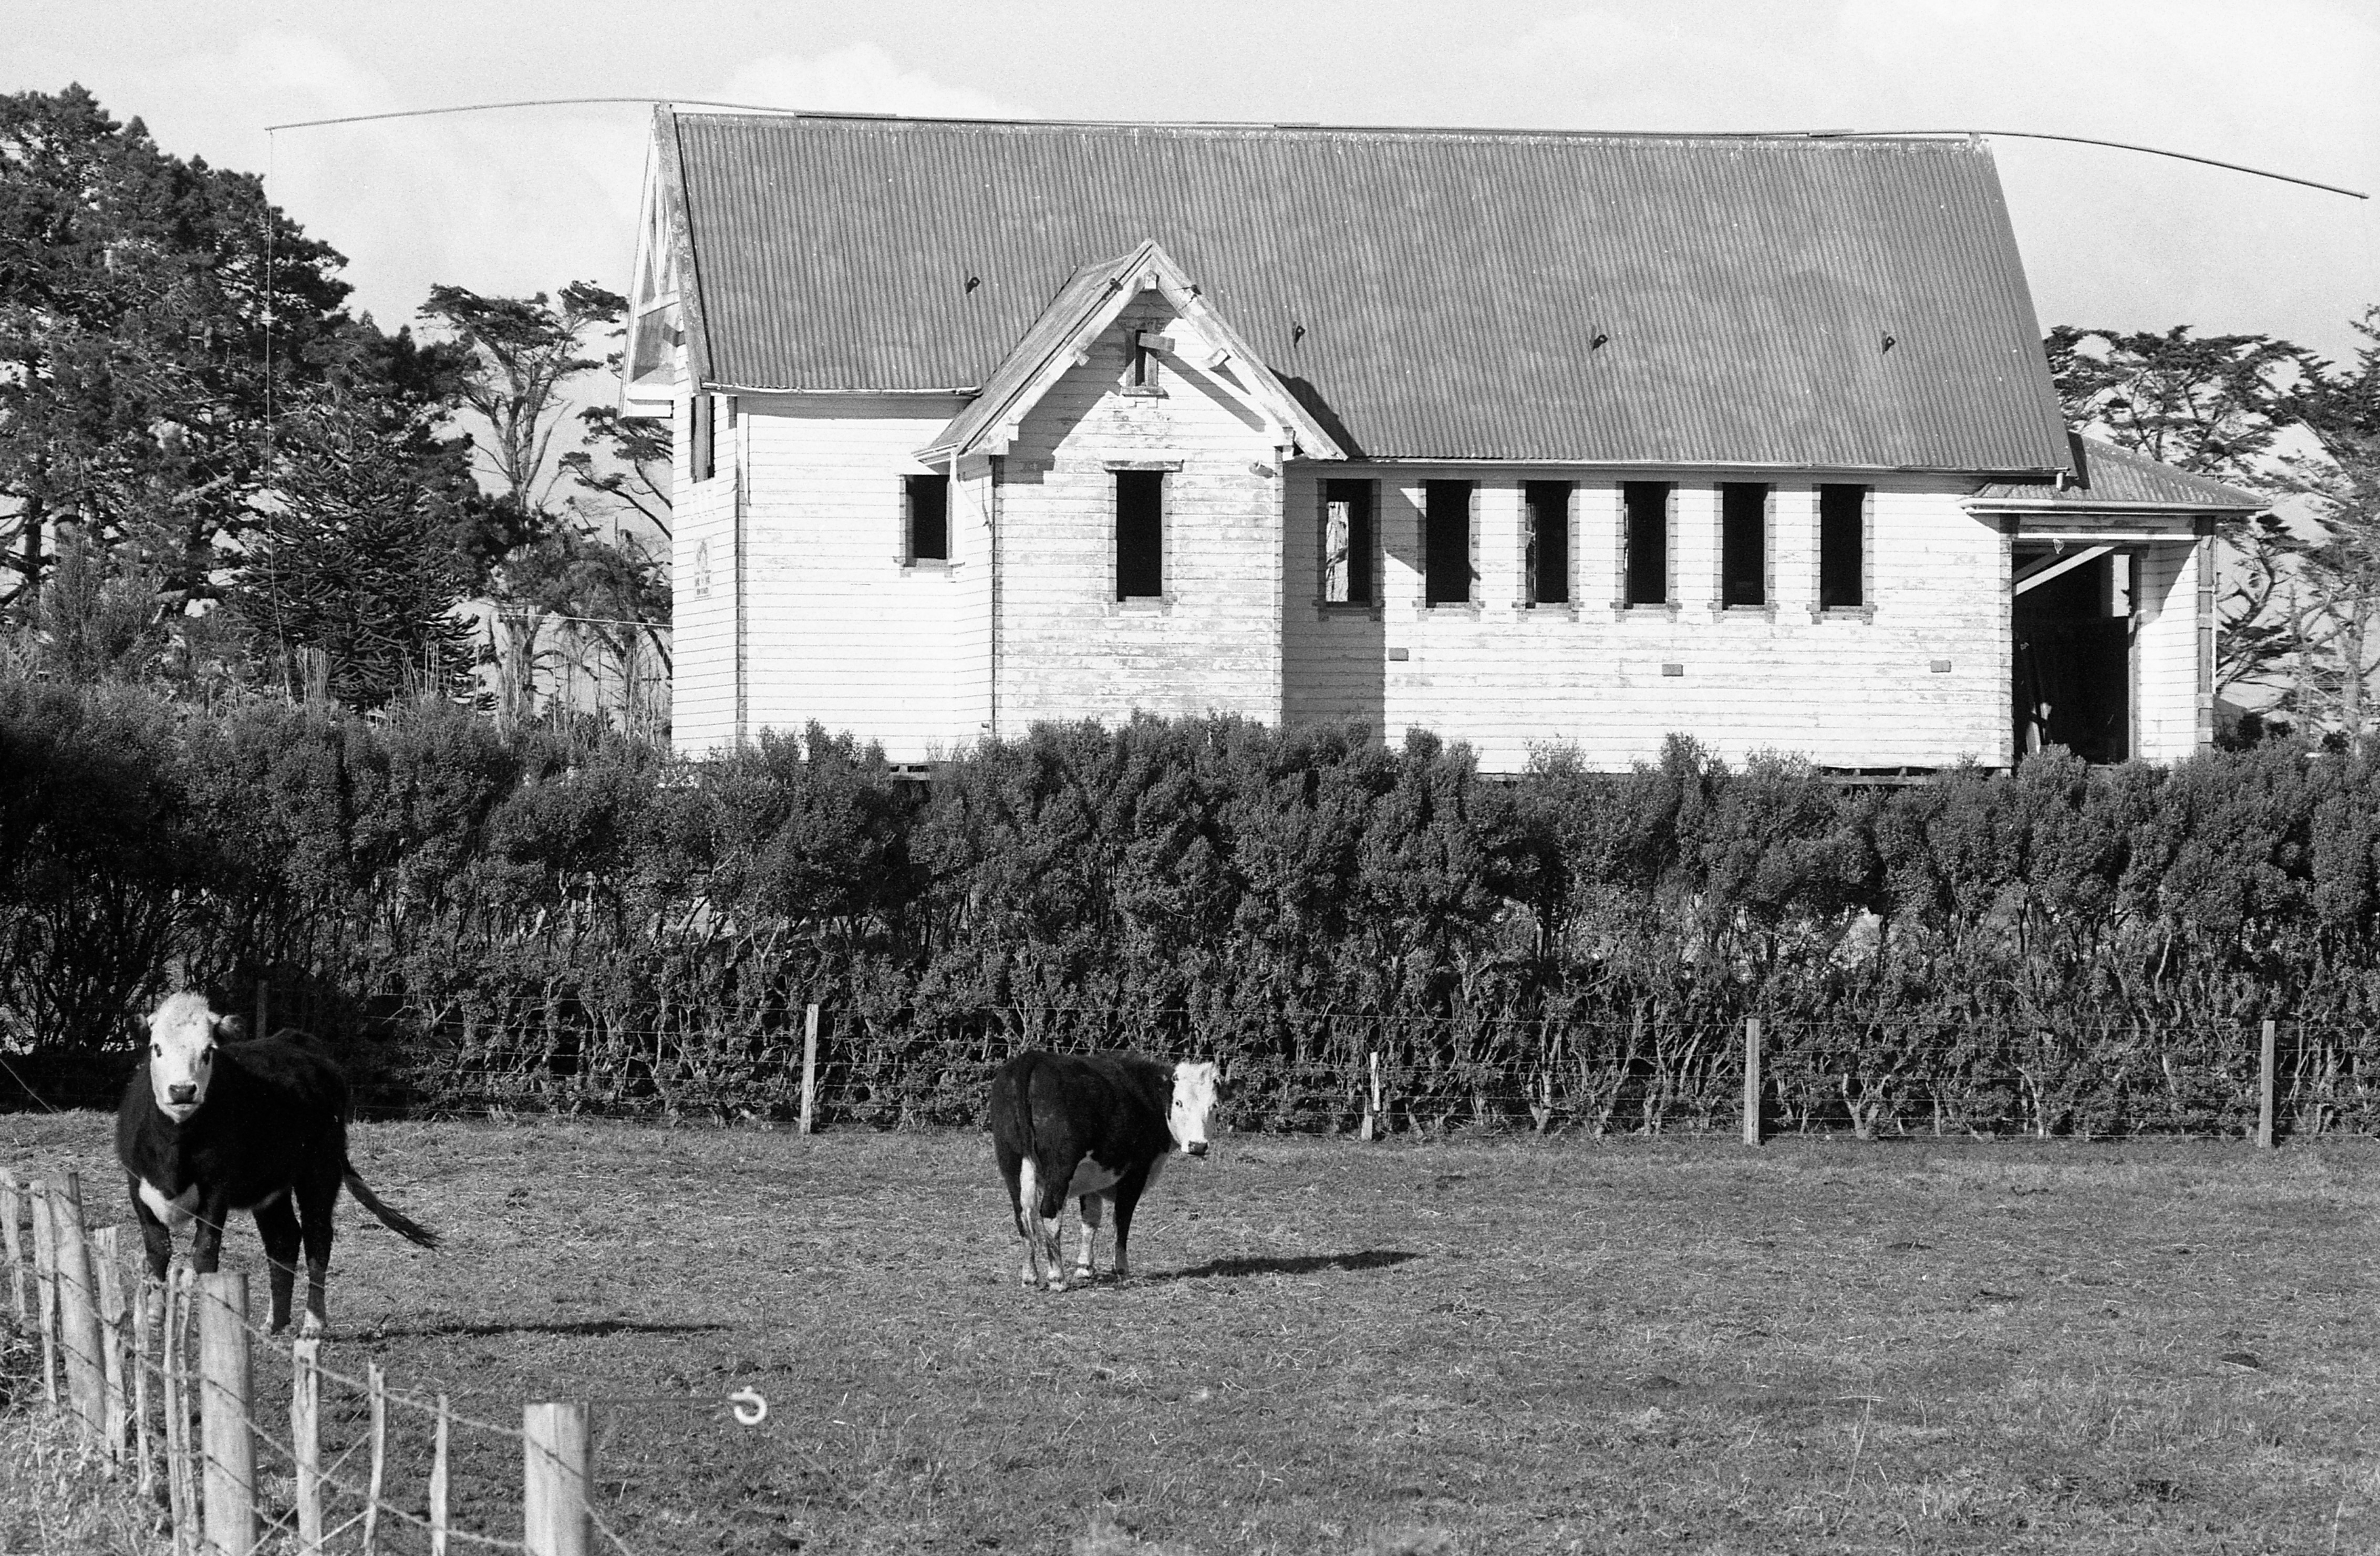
(1350, 539)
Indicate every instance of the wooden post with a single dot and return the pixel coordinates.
(2265, 1089)
(181, 1495)
(45, 1287)
(1372, 1101)
(107, 1267)
(558, 1469)
(78, 1334)
(144, 1326)
(438, 1484)
(1752, 1080)
(306, 1438)
(376, 1384)
(12, 1211)
(809, 1066)
(226, 1385)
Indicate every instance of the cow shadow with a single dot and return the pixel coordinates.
(1306, 1264)
(585, 1328)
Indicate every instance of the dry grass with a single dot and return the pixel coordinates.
(1404, 1350)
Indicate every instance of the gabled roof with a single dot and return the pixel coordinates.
(1090, 302)
(2109, 477)
(1746, 300)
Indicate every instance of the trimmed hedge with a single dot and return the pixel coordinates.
(558, 918)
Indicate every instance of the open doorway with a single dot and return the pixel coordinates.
(2073, 663)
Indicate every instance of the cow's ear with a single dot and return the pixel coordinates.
(227, 1029)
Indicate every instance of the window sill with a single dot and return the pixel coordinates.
(1764, 612)
(1141, 605)
(1451, 607)
(1360, 609)
(1622, 610)
(1844, 613)
(1548, 610)
(1144, 392)
(930, 565)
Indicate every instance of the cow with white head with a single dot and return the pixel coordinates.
(209, 1125)
(1096, 1128)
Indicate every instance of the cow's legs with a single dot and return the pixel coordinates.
(1090, 1206)
(315, 1201)
(1126, 1195)
(276, 1222)
(1027, 1190)
(156, 1237)
(1042, 1191)
(206, 1240)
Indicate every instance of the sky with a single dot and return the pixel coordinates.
(527, 200)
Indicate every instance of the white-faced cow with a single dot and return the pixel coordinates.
(208, 1127)
(1092, 1127)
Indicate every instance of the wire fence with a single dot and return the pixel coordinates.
(249, 1439)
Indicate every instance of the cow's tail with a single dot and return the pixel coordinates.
(404, 1226)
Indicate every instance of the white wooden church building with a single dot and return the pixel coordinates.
(1524, 438)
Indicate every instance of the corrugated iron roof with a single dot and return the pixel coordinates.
(2108, 476)
(1435, 293)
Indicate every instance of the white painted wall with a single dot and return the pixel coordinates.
(703, 564)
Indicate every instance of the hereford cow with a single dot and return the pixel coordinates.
(1091, 1127)
(208, 1127)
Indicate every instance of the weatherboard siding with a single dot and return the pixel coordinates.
(1846, 689)
(2164, 651)
(841, 628)
(1068, 647)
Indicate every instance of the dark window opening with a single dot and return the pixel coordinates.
(1648, 541)
(1140, 534)
(1446, 544)
(1548, 560)
(1843, 547)
(928, 502)
(1347, 543)
(1144, 360)
(702, 446)
(1743, 544)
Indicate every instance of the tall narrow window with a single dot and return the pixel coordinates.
(927, 500)
(1446, 544)
(1347, 543)
(700, 446)
(1140, 534)
(1843, 547)
(1743, 544)
(1548, 560)
(1648, 541)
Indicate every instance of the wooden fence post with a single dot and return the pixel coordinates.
(45, 1286)
(438, 1484)
(2265, 1088)
(1372, 1099)
(79, 1334)
(107, 1267)
(306, 1438)
(144, 1325)
(376, 1388)
(181, 1495)
(12, 1211)
(1752, 1080)
(226, 1387)
(809, 1066)
(557, 1470)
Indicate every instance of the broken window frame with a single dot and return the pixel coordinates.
(1444, 505)
(1646, 526)
(1853, 506)
(1348, 542)
(1544, 568)
(1743, 549)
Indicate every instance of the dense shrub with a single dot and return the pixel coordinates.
(560, 918)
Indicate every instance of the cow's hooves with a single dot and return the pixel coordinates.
(311, 1328)
(1057, 1285)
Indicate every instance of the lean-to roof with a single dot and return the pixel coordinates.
(1780, 301)
(2107, 476)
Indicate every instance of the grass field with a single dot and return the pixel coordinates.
(1506, 1345)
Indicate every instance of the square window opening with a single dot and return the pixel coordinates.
(1647, 541)
(1546, 570)
(1347, 543)
(1446, 544)
(1843, 547)
(1743, 544)
(1140, 534)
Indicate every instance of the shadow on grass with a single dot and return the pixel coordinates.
(594, 1328)
(1309, 1264)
